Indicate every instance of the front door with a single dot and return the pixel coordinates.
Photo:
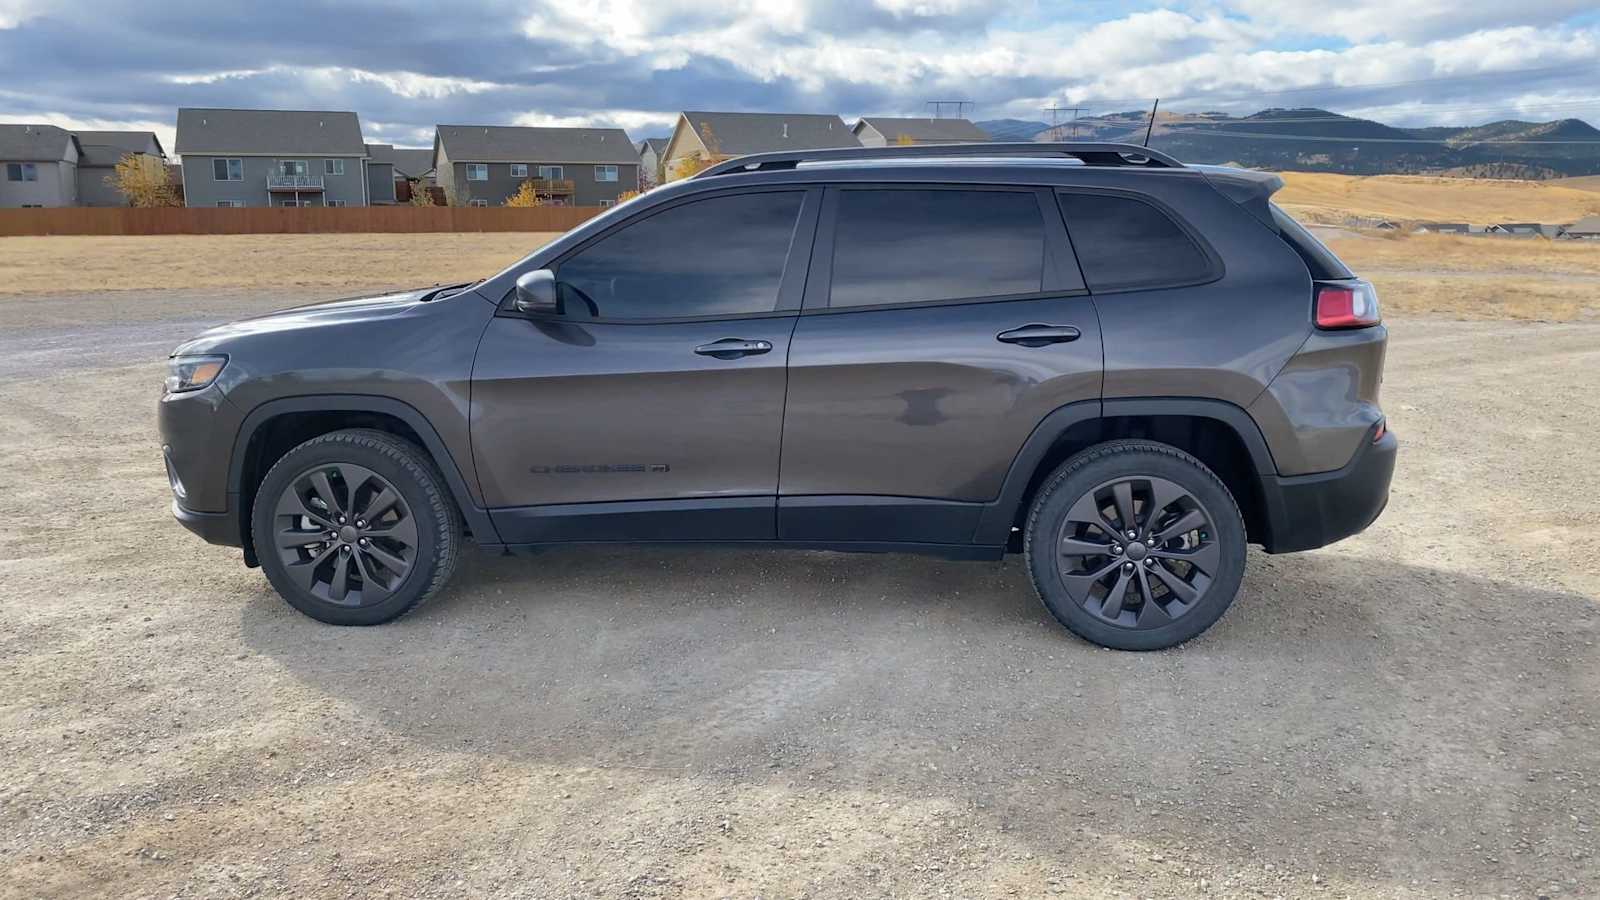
(651, 406)
(941, 325)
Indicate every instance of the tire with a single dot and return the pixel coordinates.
(331, 569)
(1175, 584)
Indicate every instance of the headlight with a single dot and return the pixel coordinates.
(191, 373)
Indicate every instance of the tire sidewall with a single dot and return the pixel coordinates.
(405, 481)
(1089, 470)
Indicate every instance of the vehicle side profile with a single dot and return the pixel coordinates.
(1121, 366)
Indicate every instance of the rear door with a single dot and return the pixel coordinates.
(651, 407)
(941, 324)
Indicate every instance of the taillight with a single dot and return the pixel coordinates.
(1346, 304)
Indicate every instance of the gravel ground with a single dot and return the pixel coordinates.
(1412, 713)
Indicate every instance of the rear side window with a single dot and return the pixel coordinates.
(1124, 244)
(714, 257)
(1318, 258)
(912, 246)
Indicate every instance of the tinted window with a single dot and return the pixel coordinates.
(908, 246)
(722, 256)
(1127, 243)
(1318, 258)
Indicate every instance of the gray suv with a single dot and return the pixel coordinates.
(1124, 367)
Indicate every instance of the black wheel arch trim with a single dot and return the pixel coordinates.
(477, 518)
(995, 525)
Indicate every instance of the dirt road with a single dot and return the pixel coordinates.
(1412, 713)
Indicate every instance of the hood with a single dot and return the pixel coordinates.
(332, 312)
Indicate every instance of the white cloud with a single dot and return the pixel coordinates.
(15, 12)
(409, 85)
(1362, 20)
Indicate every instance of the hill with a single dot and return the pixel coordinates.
(1316, 196)
(1312, 139)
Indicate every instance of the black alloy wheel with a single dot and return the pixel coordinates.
(344, 534)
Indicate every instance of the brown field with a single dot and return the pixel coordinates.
(1321, 197)
(1580, 183)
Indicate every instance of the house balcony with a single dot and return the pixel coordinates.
(294, 182)
(552, 187)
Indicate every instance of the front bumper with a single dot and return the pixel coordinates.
(1309, 511)
(214, 527)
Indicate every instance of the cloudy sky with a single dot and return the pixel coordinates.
(405, 65)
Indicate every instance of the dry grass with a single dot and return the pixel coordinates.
(335, 261)
(1316, 196)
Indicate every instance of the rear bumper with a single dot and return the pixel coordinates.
(1311, 511)
(215, 528)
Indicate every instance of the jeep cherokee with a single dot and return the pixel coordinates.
(1124, 367)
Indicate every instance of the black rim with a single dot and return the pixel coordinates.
(344, 534)
(1138, 552)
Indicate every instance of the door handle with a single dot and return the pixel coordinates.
(733, 348)
(1039, 335)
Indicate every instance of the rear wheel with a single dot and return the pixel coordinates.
(355, 528)
(1135, 545)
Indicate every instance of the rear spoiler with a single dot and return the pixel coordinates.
(1251, 190)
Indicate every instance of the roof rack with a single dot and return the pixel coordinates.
(1090, 154)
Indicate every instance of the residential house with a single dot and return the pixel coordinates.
(102, 150)
(652, 151)
(880, 131)
(705, 136)
(1442, 228)
(1585, 229)
(1518, 229)
(414, 165)
(483, 165)
(380, 174)
(272, 157)
(40, 166)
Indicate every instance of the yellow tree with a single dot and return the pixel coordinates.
(421, 196)
(525, 196)
(904, 140)
(713, 154)
(142, 180)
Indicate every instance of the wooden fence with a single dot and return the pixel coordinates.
(281, 220)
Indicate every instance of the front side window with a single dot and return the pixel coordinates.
(333, 167)
(663, 266)
(605, 173)
(22, 172)
(477, 172)
(291, 167)
(227, 169)
(519, 170)
(552, 173)
(916, 246)
(1124, 244)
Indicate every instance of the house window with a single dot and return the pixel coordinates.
(333, 167)
(479, 203)
(227, 169)
(477, 171)
(552, 173)
(606, 203)
(22, 172)
(519, 170)
(291, 167)
(337, 202)
(605, 173)
(230, 203)
(289, 203)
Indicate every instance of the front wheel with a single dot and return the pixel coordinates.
(355, 527)
(1135, 545)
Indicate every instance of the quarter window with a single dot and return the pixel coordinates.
(1125, 244)
(605, 173)
(227, 169)
(333, 167)
(519, 170)
(477, 172)
(663, 266)
(910, 246)
(22, 172)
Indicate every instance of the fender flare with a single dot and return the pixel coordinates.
(477, 518)
(994, 526)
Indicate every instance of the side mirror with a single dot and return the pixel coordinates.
(536, 293)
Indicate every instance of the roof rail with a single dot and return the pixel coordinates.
(1090, 154)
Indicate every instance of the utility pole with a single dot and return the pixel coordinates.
(1055, 118)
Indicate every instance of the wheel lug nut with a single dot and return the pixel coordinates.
(361, 523)
(1117, 549)
(363, 542)
(1149, 561)
(1127, 567)
(341, 520)
(1132, 534)
(344, 548)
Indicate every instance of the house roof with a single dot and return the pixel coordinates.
(659, 145)
(521, 144)
(122, 142)
(1585, 225)
(408, 161)
(269, 132)
(737, 133)
(926, 131)
(1443, 226)
(35, 143)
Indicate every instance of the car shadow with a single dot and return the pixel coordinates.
(1344, 708)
